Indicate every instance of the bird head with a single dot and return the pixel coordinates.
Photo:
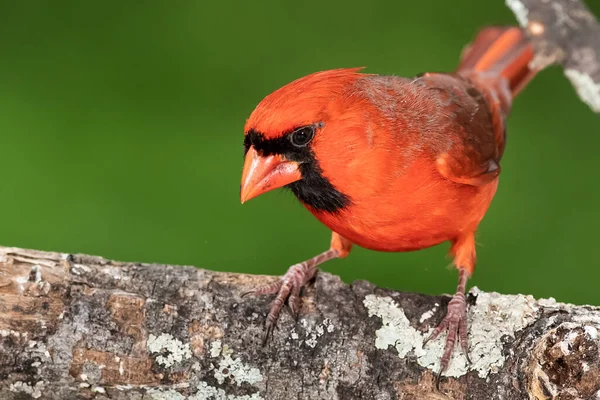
(290, 132)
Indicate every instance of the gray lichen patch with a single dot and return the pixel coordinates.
(34, 391)
(312, 331)
(169, 349)
(91, 372)
(396, 330)
(519, 10)
(586, 87)
(232, 368)
(237, 371)
(215, 348)
(165, 394)
(428, 314)
(204, 391)
(493, 317)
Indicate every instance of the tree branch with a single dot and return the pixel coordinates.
(82, 327)
(565, 32)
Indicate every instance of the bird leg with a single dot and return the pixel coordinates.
(288, 288)
(455, 322)
(298, 275)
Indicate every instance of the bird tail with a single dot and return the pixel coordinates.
(499, 59)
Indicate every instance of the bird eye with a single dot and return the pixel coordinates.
(301, 137)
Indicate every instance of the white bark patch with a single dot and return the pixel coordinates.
(493, 317)
(396, 330)
(591, 332)
(34, 391)
(328, 325)
(586, 88)
(567, 344)
(428, 314)
(156, 394)
(519, 10)
(17, 335)
(313, 333)
(80, 269)
(21, 281)
(237, 371)
(215, 348)
(175, 350)
(115, 272)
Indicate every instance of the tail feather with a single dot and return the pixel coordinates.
(497, 63)
(474, 51)
(499, 58)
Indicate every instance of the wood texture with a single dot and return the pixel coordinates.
(82, 327)
(565, 32)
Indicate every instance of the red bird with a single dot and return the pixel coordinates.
(391, 163)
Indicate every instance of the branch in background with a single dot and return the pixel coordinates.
(565, 32)
(82, 327)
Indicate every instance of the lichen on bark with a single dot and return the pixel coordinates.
(82, 327)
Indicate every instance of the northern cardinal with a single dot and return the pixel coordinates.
(391, 163)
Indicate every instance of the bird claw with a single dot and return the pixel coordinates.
(267, 334)
(287, 290)
(469, 362)
(293, 314)
(293, 303)
(455, 322)
(269, 329)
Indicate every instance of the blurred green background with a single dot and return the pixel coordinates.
(121, 135)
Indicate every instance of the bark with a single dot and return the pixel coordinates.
(83, 327)
(565, 32)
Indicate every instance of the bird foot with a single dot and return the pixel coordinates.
(287, 288)
(455, 322)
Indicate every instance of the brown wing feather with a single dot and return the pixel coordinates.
(473, 155)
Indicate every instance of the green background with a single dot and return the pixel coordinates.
(121, 135)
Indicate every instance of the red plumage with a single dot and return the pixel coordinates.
(392, 164)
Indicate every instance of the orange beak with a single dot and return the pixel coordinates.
(262, 174)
